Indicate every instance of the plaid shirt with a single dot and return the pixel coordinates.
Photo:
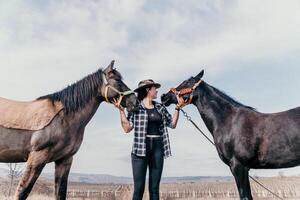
(139, 120)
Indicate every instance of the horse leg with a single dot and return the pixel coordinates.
(62, 169)
(34, 166)
(241, 176)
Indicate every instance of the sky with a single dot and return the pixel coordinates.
(250, 49)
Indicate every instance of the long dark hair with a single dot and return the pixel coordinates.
(142, 93)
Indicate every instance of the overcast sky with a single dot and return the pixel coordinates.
(250, 49)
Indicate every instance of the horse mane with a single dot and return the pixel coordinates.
(77, 95)
(229, 99)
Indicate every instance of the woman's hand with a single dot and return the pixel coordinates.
(180, 102)
(124, 121)
(117, 105)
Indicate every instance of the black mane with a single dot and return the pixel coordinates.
(76, 96)
(229, 99)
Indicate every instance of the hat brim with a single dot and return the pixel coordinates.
(157, 85)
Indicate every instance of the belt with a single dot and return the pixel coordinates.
(153, 136)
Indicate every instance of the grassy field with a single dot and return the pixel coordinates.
(286, 187)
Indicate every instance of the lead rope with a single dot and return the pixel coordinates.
(197, 127)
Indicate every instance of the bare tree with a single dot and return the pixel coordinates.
(15, 170)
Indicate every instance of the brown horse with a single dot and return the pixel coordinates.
(244, 137)
(59, 140)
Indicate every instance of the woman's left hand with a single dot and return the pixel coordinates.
(180, 102)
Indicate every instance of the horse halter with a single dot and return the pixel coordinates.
(185, 91)
(121, 94)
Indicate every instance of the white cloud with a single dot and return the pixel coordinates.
(224, 35)
(64, 40)
(148, 39)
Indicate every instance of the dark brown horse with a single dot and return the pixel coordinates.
(244, 137)
(61, 139)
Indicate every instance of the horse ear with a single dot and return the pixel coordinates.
(112, 63)
(200, 75)
(110, 67)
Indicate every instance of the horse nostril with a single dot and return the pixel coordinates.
(130, 105)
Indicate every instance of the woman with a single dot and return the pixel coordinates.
(151, 141)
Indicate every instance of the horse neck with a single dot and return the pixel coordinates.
(214, 110)
(85, 114)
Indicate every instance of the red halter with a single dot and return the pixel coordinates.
(185, 91)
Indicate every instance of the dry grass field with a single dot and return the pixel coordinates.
(287, 187)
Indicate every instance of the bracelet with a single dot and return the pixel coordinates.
(177, 108)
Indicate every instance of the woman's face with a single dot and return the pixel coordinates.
(152, 93)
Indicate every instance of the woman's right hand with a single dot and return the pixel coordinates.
(117, 105)
(124, 121)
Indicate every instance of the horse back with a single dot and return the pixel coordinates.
(269, 140)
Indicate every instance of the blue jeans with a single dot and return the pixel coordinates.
(155, 160)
